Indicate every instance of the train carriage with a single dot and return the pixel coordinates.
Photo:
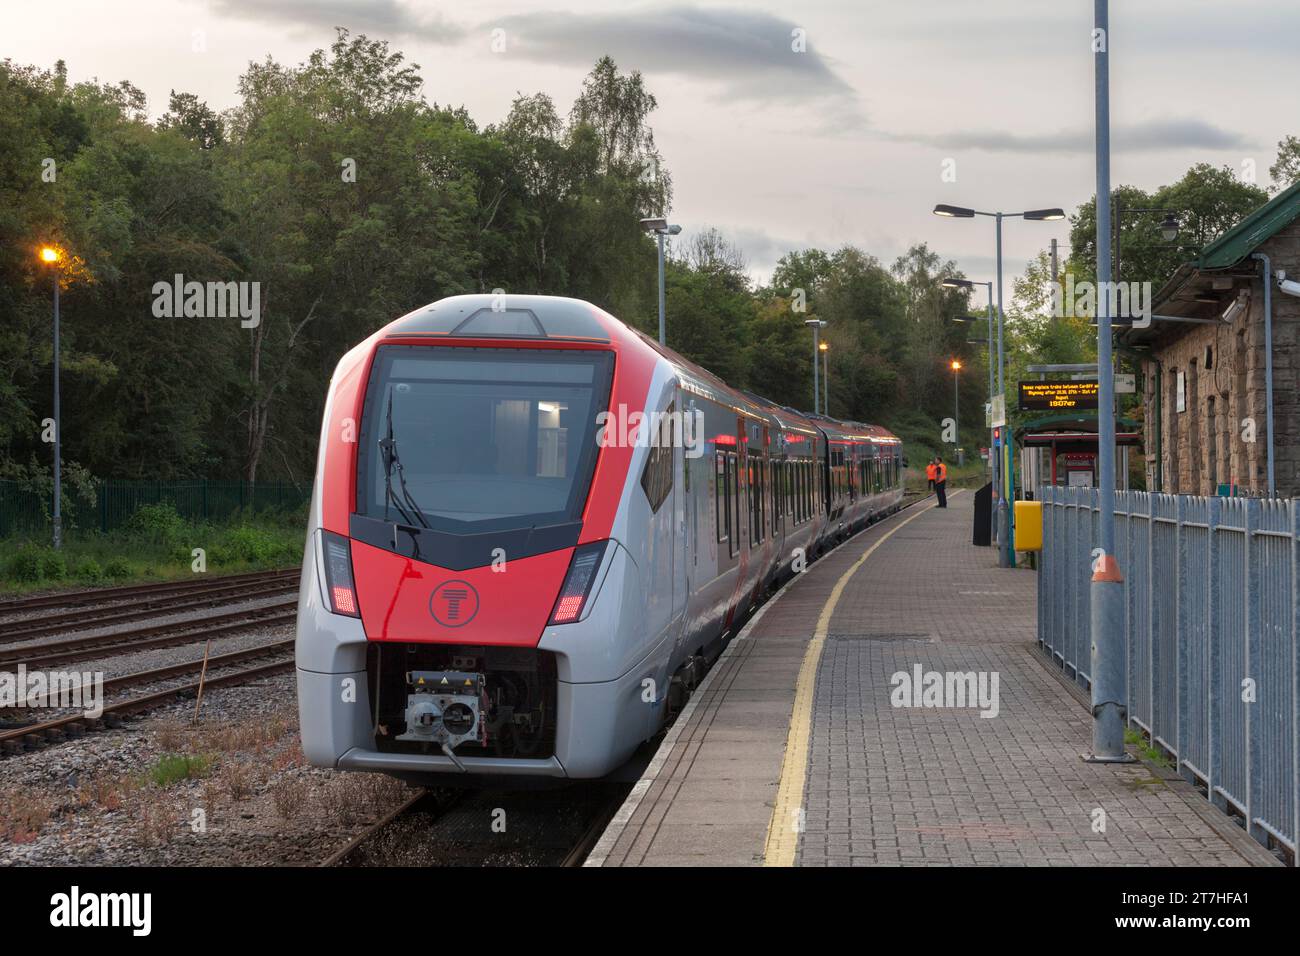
(533, 527)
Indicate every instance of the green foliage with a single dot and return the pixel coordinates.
(24, 567)
(159, 524)
(265, 193)
(88, 570)
(173, 768)
(118, 568)
(1285, 171)
(54, 566)
(246, 543)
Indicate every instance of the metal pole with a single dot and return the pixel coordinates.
(816, 385)
(826, 382)
(58, 428)
(956, 403)
(993, 465)
(661, 288)
(1268, 364)
(1004, 510)
(1107, 587)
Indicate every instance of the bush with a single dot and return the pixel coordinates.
(25, 567)
(254, 545)
(158, 523)
(117, 568)
(54, 567)
(88, 570)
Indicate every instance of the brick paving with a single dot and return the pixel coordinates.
(920, 786)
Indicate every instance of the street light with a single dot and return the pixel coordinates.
(956, 393)
(952, 283)
(816, 325)
(51, 256)
(1006, 552)
(660, 227)
(826, 378)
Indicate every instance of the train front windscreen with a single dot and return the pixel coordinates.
(470, 440)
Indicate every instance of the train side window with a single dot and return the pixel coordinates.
(776, 493)
(657, 479)
(733, 465)
(757, 493)
(798, 489)
(721, 498)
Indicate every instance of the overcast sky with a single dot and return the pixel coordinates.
(845, 142)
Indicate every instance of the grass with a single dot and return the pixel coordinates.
(173, 768)
(156, 545)
(1147, 751)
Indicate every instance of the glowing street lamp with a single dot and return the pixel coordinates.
(956, 397)
(51, 256)
(826, 378)
(816, 325)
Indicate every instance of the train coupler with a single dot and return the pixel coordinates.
(445, 708)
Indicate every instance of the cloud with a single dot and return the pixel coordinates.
(747, 53)
(384, 17)
(1152, 137)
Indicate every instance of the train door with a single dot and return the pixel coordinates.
(681, 499)
(660, 481)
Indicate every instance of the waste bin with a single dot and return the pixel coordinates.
(982, 534)
(1029, 526)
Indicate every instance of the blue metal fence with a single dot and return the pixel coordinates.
(1211, 627)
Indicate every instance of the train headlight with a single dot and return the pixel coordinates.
(338, 574)
(578, 582)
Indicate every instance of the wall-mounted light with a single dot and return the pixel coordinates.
(1237, 307)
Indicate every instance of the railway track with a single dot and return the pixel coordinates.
(214, 662)
(61, 728)
(151, 607)
(126, 592)
(148, 638)
(487, 828)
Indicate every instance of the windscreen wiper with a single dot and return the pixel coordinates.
(388, 449)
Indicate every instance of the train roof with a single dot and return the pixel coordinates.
(563, 319)
(504, 317)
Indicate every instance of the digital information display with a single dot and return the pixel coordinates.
(1057, 396)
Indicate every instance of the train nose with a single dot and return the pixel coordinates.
(504, 603)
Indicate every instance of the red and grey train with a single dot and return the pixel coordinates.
(533, 527)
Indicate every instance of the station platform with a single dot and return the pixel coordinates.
(793, 753)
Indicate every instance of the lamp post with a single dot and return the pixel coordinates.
(826, 379)
(956, 396)
(51, 257)
(1169, 226)
(968, 284)
(660, 227)
(1006, 552)
(1106, 590)
(816, 325)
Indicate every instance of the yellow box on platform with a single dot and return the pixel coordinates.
(1029, 526)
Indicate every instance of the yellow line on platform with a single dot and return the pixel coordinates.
(785, 825)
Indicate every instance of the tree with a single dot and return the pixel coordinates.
(193, 119)
(1285, 171)
(1208, 202)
